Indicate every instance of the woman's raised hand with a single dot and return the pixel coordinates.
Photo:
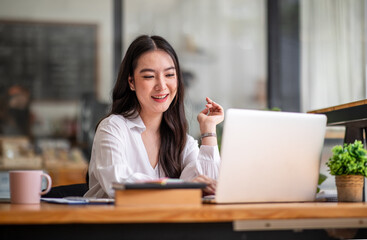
(212, 115)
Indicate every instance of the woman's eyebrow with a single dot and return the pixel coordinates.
(146, 70)
(152, 70)
(170, 68)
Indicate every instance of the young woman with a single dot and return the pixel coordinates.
(144, 137)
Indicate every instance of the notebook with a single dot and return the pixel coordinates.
(269, 156)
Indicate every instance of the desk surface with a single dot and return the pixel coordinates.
(47, 213)
(351, 114)
(340, 107)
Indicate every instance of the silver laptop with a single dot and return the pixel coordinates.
(270, 156)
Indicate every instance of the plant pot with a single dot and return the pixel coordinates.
(350, 188)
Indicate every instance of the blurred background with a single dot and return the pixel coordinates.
(59, 61)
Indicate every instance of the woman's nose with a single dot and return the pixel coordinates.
(161, 83)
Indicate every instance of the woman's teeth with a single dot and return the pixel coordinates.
(160, 97)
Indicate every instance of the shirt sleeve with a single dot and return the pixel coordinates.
(109, 162)
(199, 161)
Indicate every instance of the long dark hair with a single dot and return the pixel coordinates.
(173, 127)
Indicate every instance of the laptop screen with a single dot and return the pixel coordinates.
(270, 156)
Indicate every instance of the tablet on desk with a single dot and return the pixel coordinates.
(79, 200)
(153, 185)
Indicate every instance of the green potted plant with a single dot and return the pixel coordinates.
(349, 166)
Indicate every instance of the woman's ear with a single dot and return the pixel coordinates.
(131, 83)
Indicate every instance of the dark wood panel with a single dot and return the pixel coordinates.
(351, 114)
(55, 61)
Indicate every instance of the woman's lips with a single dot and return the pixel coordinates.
(160, 98)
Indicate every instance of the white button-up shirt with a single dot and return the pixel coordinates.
(119, 155)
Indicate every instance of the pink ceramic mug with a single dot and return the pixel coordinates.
(25, 186)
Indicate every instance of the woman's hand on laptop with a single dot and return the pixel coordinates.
(211, 184)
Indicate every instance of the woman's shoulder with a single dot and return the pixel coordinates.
(113, 119)
(118, 121)
(113, 126)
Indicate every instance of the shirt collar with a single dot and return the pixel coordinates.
(135, 122)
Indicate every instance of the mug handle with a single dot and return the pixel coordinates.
(49, 183)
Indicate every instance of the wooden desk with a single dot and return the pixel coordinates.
(215, 221)
(351, 115)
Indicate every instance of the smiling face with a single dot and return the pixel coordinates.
(155, 82)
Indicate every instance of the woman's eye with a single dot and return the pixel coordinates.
(170, 75)
(148, 76)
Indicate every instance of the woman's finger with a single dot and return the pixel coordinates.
(209, 190)
(208, 100)
(205, 111)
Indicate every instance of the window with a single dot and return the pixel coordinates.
(221, 46)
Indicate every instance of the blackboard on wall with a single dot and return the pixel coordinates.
(54, 61)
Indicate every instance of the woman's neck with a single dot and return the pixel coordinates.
(152, 122)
